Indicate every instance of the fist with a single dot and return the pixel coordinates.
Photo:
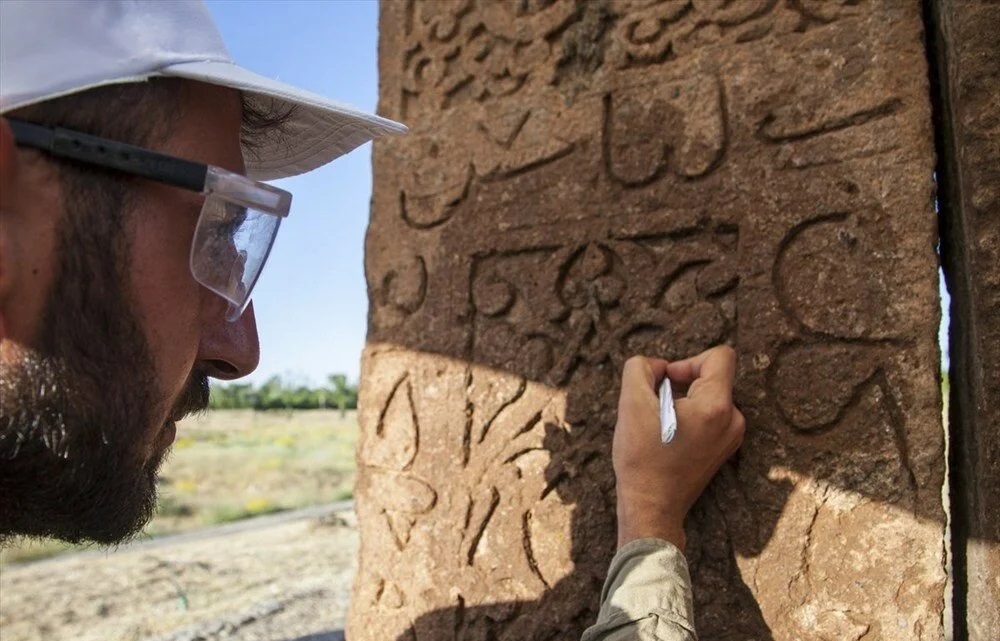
(657, 484)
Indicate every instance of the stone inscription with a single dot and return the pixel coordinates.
(588, 180)
(600, 312)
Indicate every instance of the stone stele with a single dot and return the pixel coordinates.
(588, 180)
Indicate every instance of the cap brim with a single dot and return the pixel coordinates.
(318, 131)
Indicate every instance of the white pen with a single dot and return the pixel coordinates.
(668, 415)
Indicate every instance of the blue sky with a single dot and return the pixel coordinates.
(311, 300)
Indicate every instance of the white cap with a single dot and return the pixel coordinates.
(54, 48)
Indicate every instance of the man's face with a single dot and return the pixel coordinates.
(121, 350)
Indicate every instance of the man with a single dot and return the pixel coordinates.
(132, 232)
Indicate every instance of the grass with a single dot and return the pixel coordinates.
(229, 465)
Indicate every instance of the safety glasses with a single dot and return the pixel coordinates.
(239, 219)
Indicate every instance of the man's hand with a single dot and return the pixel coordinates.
(658, 484)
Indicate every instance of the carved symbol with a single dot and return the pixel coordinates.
(547, 311)
(657, 31)
(455, 53)
(830, 135)
(388, 456)
(435, 183)
(846, 322)
(517, 140)
(430, 60)
(389, 595)
(397, 435)
(504, 130)
(823, 277)
(443, 169)
(526, 541)
(404, 287)
(503, 393)
(506, 459)
(403, 499)
(789, 126)
(492, 524)
(647, 33)
(678, 128)
(479, 520)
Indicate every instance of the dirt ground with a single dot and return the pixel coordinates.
(267, 579)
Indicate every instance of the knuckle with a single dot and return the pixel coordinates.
(739, 423)
(716, 413)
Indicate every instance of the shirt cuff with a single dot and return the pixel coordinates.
(648, 583)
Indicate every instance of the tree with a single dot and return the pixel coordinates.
(342, 394)
(271, 395)
(276, 393)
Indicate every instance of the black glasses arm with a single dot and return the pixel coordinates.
(110, 154)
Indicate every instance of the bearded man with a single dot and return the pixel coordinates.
(133, 227)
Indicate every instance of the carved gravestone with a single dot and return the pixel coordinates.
(588, 180)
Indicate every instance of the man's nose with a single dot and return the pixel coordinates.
(229, 350)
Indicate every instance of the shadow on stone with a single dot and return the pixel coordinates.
(725, 608)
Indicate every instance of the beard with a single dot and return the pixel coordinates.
(79, 411)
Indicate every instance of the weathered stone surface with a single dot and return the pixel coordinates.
(969, 52)
(588, 180)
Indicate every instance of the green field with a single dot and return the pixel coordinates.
(228, 465)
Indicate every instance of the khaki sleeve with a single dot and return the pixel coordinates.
(646, 597)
